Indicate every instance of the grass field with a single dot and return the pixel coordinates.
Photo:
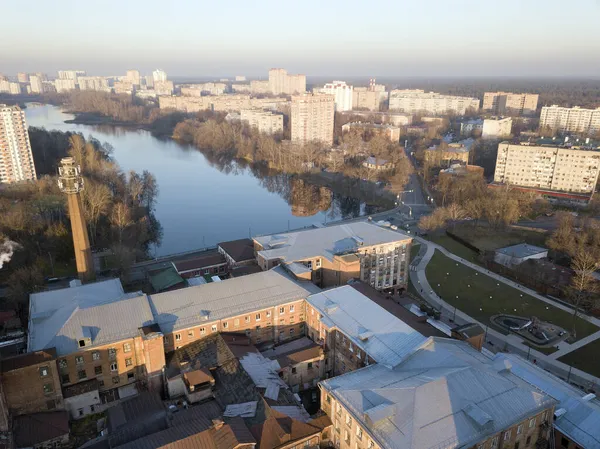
(486, 238)
(481, 296)
(455, 247)
(585, 358)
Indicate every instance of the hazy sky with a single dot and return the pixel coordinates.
(325, 37)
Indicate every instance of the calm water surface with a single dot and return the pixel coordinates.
(201, 203)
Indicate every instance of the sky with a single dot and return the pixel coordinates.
(403, 38)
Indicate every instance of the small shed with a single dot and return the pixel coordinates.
(517, 254)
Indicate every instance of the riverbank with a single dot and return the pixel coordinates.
(94, 119)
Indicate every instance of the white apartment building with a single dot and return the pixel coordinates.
(16, 159)
(413, 101)
(500, 103)
(159, 75)
(573, 120)
(65, 85)
(342, 94)
(553, 167)
(496, 127)
(280, 82)
(93, 83)
(265, 121)
(163, 87)
(133, 76)
(197, 90)
(10, 87)
(312, 118)
(70, 74)
(36, 84)
(240, 78)
(260, 86)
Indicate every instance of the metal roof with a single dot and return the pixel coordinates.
(199, 304)
(444, 395)
(380, 334)
(581, 422)
(521, 250)
(326, 242)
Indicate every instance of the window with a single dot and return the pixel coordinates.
(65, 379)
(126, 347)
(98, 370)
(481, 446)
(257, 328)
(348, 420)
(202, 331)
(281, 310)
(43, 371)
(371, 445)
(309, 365)
(247, 319)
(339, 409)
(544, 415)
(257, 317)
(79, 360)
(494, 443)
(268, 313)
(292, 308)
(100, 383)
(190, 334)
(318, 263)
(92, 408)
(564, 442)
(346, 436)
(517, 445)
(507, 435)
(358, 355)
(113, 366)
(520, 429)
(328, 399)
(292, 321)
(62, 364)
(291, 332)
(531, 422)
(48, 388)
(128, 362)
(81, 374)
(236, 322)
(225, 325)
(96, 355)
(116, 380)
(359, 432)
(50, 405)
(528, 441)
(130, 376)
(81, 343)
(214, 328)
(80, 411)
(294, 370)
(177, 337)
(112, 352)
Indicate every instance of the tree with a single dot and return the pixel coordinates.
(583, 284)
(96, 201)
(21, 283)
(121, 219)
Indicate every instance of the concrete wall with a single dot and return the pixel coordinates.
(83, 404)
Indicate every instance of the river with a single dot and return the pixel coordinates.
(201, 202)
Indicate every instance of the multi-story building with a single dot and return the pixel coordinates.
(149, 81)
(16, 159)
(70, 74)
(163, 87)
(240, 88)
(260, 87)
(454, 152)
(548, 168)
(478, 403)
(159, 75)
(240, 78)
(413, 101)
(312, 117)
(133, 76)
(10, 87)
(124, 87)
(37, 84)
(468, 126)
(197, 90)
(496, 127)
(22, 77)
(333, 255)
(369, 98)
(502, 103)
(572, 120)
(391, 118)
(98, 83)
(342, 94)
(369, 129)
(264, 121)
(280, 82)
(65, 85)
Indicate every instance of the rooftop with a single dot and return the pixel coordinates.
(371, 160)
(165, 279)
(239, 250)
(521, 250)
(31, 430)
(29, 359)
(325, 242)
(208, 260)
(444, 395)
(380, 334)
(294, 352)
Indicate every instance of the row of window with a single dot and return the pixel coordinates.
(508, 433)
(80, 359)
(98, 371)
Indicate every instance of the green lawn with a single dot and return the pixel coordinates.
(585, 358)
(486, 238)
(414, 250)
(455, 247)
(480, 296)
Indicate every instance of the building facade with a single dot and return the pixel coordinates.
(264, 121)
(163, 87)
(390, 132)
(342, 93)
(133, 76)
(36, 84)
(98, 83)
(281, 82)
(312, 117)
(496, 128)
(413, 101)
(555, 168)
(368, 98)
(65, 85)
(572, 120)
(10, 87)
(16, 158)
(159, 75)
(70, 74)
(502, 103)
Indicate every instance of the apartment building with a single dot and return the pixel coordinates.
(342, 94)
(369, 98)
(503, 103)
(260, 86)
(572, 120)
(391, 118)
(10, 87)
(70, 74)
(333, 255)
(164, 87)
(413, 101)
(391, 132)
(312, 117)
(468, 126)
(98, 83)
(496, 127)
(22, 77)
(16, 158)
(133, 76)
(454, 152)
(124, 87)
(264, 121)
(240, 88)
(36, 84)
(197, 90)
(159, 75)
(281, 82)
(65, 85)
(440, 393)
(548, 168)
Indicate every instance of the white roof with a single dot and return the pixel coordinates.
(581, 422)
(325, 242)
(191, 306)
(387, 339)
(100, 311)
(445, 395)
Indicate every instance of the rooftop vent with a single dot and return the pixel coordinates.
(502, 365)
(358, 240)
(558, 413)
(588, 397)
(204, 314)
(74, 283)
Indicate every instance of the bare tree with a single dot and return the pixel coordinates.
(120, 217)
(583, 284)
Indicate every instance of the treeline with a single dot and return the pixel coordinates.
(118, 208)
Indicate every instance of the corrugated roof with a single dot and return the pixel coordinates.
(165, 279)
(239, 250)
(380, 334)
(521, 250)
(100, 312)
(581, 422)
(205, 303)
(446, 394)
(325, 242)
(36, 428)
(23, 360)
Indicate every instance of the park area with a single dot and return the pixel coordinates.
(585, 358)
(481, 296)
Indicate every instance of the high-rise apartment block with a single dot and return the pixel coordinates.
(280, 82)
(496, 127)
(342, 94)
(93, 83)
(70, 74)
(502, 103)
(133, 76)
(22, 77)
(260, 86)
(312, 118)
(370, 98)
(36, 84)
(548, 167)
(10, 87)
(240, 78)
(572, 120)
(163, 87)
(16, 159)
(65, 85)
(159, 75)
(413, 101)
(264, 121)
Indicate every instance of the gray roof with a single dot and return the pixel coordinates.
(445, 395)
(100, 312)
(581, 422)
(325, 242)
(371, 160)
(380, 334)
(521, 250)
(195, 305)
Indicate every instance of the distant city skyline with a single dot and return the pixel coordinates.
(433, 38)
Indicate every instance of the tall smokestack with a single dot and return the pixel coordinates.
(71, 183)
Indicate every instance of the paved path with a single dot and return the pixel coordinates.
(572, 347)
